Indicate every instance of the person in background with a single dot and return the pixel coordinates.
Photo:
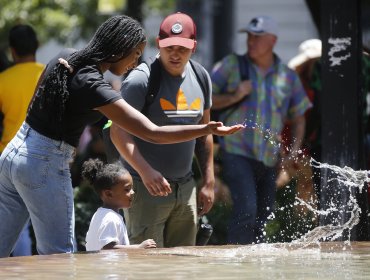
(18, 82)
(309, 51)
(272, 95)
(35, 177)
(91, 144)
(93, 148)
(157, 169)
(113, 184)
(17, 85)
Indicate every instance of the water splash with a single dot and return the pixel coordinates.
(349, 178)
(346, 177)
(268, 135)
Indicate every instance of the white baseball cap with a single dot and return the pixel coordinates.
(261, 25)
(308, 49)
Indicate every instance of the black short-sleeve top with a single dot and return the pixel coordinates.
(87, 91)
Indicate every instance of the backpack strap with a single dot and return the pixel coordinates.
(243, 67)
(153, 82)
(155, 78)
(202, 77)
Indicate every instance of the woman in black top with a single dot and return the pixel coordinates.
(72, 93)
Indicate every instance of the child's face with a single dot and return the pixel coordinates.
(122, 193)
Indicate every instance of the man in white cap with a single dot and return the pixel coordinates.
(271, 95)
(165, 203)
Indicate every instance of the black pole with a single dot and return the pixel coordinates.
(342, 108)
(135, 9)
(223, 28)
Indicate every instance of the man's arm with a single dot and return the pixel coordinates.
(220, 101)
(204, 155)
(220, 77)
(155, 183)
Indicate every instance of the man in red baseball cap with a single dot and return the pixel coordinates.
(176, 42)
(177, 29)
(166, 204)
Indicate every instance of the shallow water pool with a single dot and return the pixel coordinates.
(329, 260)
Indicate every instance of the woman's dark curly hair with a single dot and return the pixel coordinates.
(100, 175)
(114, 40)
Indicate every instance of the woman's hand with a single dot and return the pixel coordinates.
(219, 129)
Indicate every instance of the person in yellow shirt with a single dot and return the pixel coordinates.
(17, 83)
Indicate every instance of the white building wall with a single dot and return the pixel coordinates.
(293, 17)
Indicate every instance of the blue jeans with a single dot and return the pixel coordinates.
(23, 247)
(253, 191)
(35, 183)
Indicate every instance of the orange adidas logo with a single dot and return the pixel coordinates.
(182, 108)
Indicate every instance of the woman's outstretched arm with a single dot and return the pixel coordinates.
(131, 120)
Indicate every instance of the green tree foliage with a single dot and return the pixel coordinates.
(162, 6)
(67, 21)
(62, 20)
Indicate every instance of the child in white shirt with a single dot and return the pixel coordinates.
(113, 183)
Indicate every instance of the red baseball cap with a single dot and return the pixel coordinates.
(177, 30)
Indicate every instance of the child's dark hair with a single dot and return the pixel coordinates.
(23, 39)
(100, 175)
(113, 41)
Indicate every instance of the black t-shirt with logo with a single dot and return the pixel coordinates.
(87, 90)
